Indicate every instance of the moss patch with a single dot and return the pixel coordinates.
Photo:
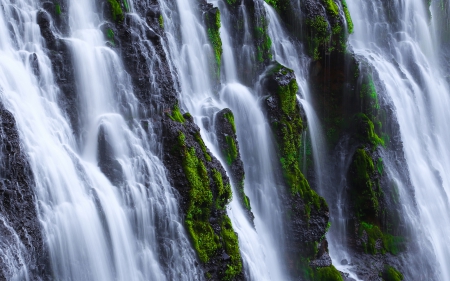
(223, 191)
(230, 118)
(231, 244)
(366, 131)
(58, 9)
(389, 243)
(348, 18)
(205, 241)
(392, 274)
(231, 152)
(116, 10)
(161, 21)
(329, 273)
(213, 25)
(199, 140)
(319, 35)
(176, 115)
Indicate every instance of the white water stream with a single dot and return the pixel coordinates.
(93, 229)
(405, 56)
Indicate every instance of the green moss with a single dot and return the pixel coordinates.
(392, 274)
(366, 131)
(205, 241)
(279, 5)
(58, 9)
(231, 153)
(110, 35)
(380, 165)
(116, 10)
(263, 41)
(176, 115)
(230, 118)
(231, 2)
(329, 273)
(319, 35)
(332, 7)
(199, 140)
(214, 38)
(348, 18)
(390, 243)
(223, 191)
(364, 194)
(161, 21)
(126, 5)
(231, 244)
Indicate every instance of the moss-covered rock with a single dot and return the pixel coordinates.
(229, 147)
(205, 191)
(212, 22)
(307, 212)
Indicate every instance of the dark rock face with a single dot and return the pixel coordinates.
(229, 147)
(193, 170)
(140, 43)
(18, 207)
(106, 161)
(62, 62)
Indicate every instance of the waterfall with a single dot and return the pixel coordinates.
(260, 248)
(404, 53)
(98, 224)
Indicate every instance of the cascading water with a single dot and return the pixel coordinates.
(398, 42)
(262, 258)
(95, 230)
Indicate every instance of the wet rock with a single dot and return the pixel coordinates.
(106, 161)
(229, 147)
(187, 158)
(18, 213)
(344, 262)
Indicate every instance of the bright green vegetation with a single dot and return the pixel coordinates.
(329, 273)
(161, 21)
(125, 4)
(176, 115)
(243, 196)
(263, 41)
(319, 35)
(367, 131)
(205, 241)
(392, 274)
(348, 18)
(231, 244)
(199, 140)
(214, 38)
(223, 191)
(230, 118)
(116, 10)
(231, 153)
(332, 7)
(202, 201)
(390, 243)
(58, 9)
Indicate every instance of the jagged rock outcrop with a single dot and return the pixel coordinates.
(20, 229)
(307, 222)
(205, 191)
(229, 147)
